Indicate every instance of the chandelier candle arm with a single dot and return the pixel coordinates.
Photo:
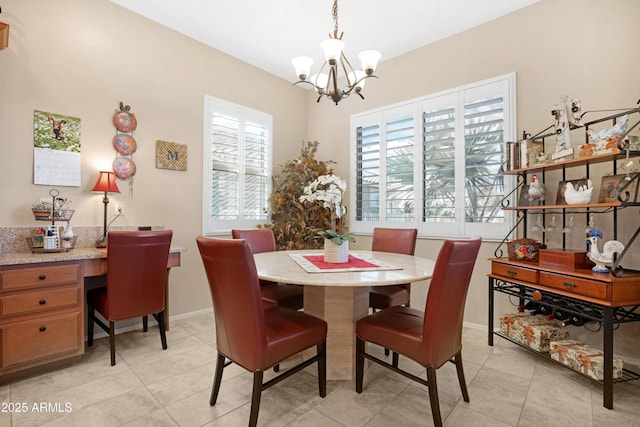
(326, 84)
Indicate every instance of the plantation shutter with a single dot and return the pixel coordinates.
(399, 169)
(368, 173)
(225, 163)
(484, 145)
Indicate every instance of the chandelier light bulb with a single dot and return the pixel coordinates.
(355, 76)
(332, 49)
(302, 64)
(369, 60)
(320, 80)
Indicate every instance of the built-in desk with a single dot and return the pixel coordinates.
(42, 305)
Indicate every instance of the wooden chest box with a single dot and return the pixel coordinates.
(583, 358)
(538, 336)
(535, 331)
(564, 259)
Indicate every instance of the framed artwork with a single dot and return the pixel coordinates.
(524, 200)
(170, 155)
(577, 183)
(612, 185)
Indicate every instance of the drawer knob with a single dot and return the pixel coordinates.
(42, 276)
(569, 285)
(42, 328)
(512, 272)
(42, 301)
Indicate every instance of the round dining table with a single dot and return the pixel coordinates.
(339, 293)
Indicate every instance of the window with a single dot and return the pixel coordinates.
(434, 163)
(237, 166)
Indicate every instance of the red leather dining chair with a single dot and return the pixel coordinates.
(432, 337)
(246, 333)
(136, 281)
(399, 241)
(263, 240)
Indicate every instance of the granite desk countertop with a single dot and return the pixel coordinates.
(14, 258)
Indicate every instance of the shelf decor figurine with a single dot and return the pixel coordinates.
(536, 191)
(580, 195)
(564, 150)
(610, 249)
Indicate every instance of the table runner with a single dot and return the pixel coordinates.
(314, 263)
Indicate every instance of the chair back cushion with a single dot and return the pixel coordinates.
(446, 299)
(237, 301)
(395, 240)
(259, 239)
(136, 272)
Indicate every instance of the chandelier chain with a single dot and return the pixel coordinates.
(335, 18)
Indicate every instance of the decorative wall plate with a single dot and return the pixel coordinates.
(124, 167)
(125, 121)
(125, 144)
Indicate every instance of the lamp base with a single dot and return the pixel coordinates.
(102, 242)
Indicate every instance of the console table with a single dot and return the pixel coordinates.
(42, 305)
(598, 297)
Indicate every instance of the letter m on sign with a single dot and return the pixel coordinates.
(170, 155)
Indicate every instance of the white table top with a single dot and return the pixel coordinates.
(280, 267)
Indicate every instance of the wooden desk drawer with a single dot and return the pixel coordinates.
(41, 338)
(40, 301)
(514, 272)
(43, 275)
(589, 288)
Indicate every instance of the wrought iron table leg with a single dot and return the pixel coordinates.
(607, 386)
(490, 322)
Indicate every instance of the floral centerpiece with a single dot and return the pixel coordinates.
(328, 191)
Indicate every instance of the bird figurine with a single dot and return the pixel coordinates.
(618, 129)
(580, 195)
(608, 250)
(536, 190)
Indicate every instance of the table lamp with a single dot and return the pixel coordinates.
(107, 183)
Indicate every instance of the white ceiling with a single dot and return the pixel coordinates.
(269, 33)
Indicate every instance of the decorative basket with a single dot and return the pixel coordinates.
(524, 250)
(58, 215)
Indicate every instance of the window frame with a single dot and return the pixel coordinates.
(244, 114)
(458, 228)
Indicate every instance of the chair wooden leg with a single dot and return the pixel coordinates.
(322, 368)
(433, 396)
(112, 341)
(255, 398)
(163, 336)
(394, 359)
(217, 380)
(386, 351)
(460, 370)
(359, 364)
(145, 323)
(91, 312)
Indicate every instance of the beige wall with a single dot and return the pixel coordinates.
(81, 58)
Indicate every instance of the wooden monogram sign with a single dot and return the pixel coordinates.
(170, 155)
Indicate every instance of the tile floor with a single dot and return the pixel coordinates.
(150, 387)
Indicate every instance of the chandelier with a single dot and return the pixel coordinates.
(325, 82)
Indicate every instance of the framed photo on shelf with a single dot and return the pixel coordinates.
(560, 200)
(523, 200)
(611, 185)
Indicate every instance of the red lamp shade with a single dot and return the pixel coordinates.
(106, 182)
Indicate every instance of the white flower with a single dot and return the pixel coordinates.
(327, 190)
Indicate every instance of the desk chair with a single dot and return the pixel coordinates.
(246, 333)
(136, 281)
(399, 241)
(432, 337)
(262, 240)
